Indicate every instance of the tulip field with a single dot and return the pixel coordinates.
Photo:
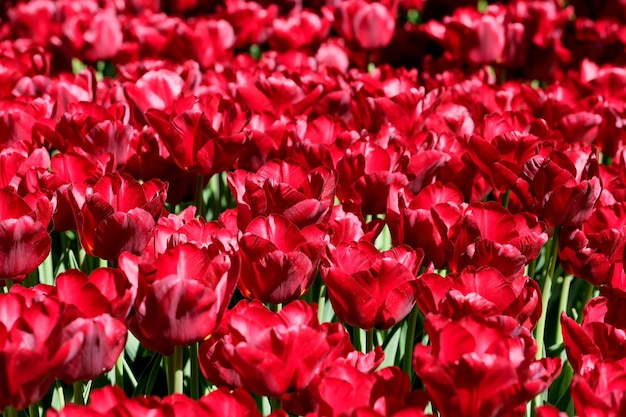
(317, 208)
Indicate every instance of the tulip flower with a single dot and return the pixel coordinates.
(24, 240)
(117, 214)
(481, 366)
(268, 353)
(181, 295)
(278, 260)
(32, 349)
(286, 188)
(370, 289)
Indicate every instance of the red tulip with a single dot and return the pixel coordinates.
(601, 390)
(112, 401)
(370, 289)
(346, 391)
(32, 348)
(589, 250)
(181, 295)
(24, 240)
(552, 188)
(425, 220)
(268, 353)
(481, 366)
(278, 260)
(286, 188)
(118, 214)
(489, 235)
(485, 291)
(203, 136)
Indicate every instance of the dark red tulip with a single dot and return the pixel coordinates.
(286, 188)
(589, 250)
(365, 174)
(552, 188)
(117, 214)
(489, 234)
(345, 391)
(204, 135)
(112, 401)
(485, 291)
(424, 220)
(24, 240)
(370, 289)
(268, 353)
(278, 260)
(32, 349)
(181, 295)
(481, 366)
(601, 390)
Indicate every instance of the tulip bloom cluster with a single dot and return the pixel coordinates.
(350, 208)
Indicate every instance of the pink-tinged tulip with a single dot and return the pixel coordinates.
(370, 289)
(156, 89)
(299, 29)
(31, 346)
(589, 250)
(269, 353)
(286, 188)
(94, 35)
(601, 391)
(203, 136)
(478, 38)
(424, 220)
(117, 214)
(278, 260)
(181, 295)
(368, 25)
(485, 291)
(24, 240)
(479, 366)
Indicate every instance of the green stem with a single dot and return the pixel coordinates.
(60, 393)
(199, 199)
(8, 283)
(175, 371)
(505, 199)
(118, 371)
(78, 393)
(567, 282)
(369, 340)
(321, 303)
(10, 412)
(46, 271)
(195, 371)
(410, 341)
(588, 295)
(33, 410)
(275, 307)
(356, 338)
(546, 292)
(532, 267)
(276, 403)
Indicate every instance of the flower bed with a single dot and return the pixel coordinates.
(333, 209)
